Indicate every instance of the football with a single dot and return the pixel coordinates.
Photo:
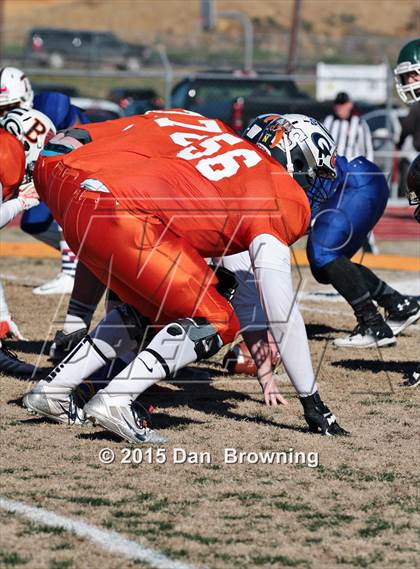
(238, 360)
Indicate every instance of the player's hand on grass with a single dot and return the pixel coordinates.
(9, 329)
(28, 195)
(272, 396)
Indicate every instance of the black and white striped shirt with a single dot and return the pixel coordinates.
(352, 136)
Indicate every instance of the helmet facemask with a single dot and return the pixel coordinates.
(409, 92)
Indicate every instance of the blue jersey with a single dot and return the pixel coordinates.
(359, 196)
(59, 109)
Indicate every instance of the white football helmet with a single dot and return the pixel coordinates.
(15, 90)
(32, 128)
(303, 146)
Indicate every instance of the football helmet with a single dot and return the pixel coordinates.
(32, 128)
(408, 64)
(303, 146)
(15, 90)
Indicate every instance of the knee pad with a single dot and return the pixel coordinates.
(205, 337)
(136, 324)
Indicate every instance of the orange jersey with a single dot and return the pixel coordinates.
(195, 176)
(12, 164)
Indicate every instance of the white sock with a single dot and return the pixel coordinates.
(79, 315)
(165, 354)
(108, 340)
(68, 259)
(4, 309)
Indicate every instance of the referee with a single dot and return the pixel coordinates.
(353, 138)
(350, 132)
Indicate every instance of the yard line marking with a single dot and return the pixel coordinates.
(111, 541)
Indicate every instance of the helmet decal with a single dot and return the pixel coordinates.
(32, 128)
(323, 145)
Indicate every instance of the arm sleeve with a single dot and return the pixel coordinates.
(246, 301)
(271, 262)
(9, 210)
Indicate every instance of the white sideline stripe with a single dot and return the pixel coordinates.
(111, 541)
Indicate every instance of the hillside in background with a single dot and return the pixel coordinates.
(345, 29)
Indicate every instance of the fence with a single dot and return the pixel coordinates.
(163, 75)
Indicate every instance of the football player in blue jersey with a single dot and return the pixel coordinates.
(356, 199)
(337, 233)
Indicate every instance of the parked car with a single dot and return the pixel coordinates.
(126, 97)
(237, 98)
(223, 96)
(55, 47)
(386, 130)
(98, 110)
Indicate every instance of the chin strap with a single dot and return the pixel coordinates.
(289, 163)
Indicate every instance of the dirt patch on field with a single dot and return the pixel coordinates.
(357, 508)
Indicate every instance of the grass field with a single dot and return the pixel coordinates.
(357, 508)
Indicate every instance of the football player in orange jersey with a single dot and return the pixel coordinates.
(143, 209)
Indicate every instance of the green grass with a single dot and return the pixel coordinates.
(11, 559)
(288, 507)
(159, 505)
(64, 545)
(90, 501)
(60, 564)
(278, 561)
(31, 528)
(374, 527)
(362, 561)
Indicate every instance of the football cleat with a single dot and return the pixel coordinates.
(10, 364)
(61, 284)
(129, 422)
(64, 343)
(55, 403)
(403, 314)
(319, 418)
(368, 336)
(413, 379)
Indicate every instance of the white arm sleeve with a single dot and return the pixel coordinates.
(9, 210)
(271, 262)
(246, 301)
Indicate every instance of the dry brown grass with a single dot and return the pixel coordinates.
(357, 509)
